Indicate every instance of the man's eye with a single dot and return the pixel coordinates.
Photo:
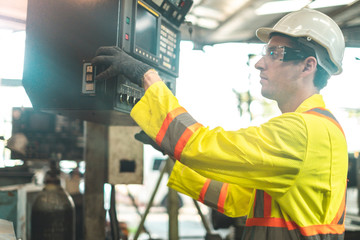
(273, 54)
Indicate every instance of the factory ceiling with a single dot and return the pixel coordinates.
(214, 21)
(217, 21)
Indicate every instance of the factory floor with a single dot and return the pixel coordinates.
(190, 225)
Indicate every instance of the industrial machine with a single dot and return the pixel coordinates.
(61, 39)
(63, 36)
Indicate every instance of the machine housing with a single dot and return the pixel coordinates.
(63, 36)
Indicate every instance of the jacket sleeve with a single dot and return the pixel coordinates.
(246, 157)
(229, 199)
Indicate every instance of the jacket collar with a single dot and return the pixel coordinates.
(314, 101)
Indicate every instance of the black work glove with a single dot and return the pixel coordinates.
(145, 139)
(119, 62)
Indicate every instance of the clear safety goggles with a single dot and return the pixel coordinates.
(283, 53)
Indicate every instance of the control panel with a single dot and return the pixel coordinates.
(127, 93)
(168, 49)
(173, 10)
(157, 44)
(88, 82)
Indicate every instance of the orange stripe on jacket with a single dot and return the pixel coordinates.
(222, 197)
(327, 117)
(184, 139)
(204, 190)
(165, 125)
(267, 205)
(290, 225)
(341, 211)
(322, 229)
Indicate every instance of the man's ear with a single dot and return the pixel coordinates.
(310, 64)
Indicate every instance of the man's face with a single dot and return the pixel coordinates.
(279, 79)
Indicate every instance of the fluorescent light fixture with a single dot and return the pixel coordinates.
(207, 23)
(202, 21)
(201, 11)
(281, 7)
(191, 18)
(329, 3)
(294, 5)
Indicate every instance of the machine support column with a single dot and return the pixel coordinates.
(96, 151)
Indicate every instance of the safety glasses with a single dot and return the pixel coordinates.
(283, 53)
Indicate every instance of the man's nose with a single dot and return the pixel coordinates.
(260, 65)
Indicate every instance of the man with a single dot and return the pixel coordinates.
(288, 176)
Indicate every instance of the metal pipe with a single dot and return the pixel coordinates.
(141, 225)
(203, 219)
(173, 208)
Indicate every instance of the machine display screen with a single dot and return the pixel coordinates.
(146, 30)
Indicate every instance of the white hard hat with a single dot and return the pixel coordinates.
(314, 26)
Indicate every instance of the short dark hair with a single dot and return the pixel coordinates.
(321, 76)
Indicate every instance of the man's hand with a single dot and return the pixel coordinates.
(119, 62)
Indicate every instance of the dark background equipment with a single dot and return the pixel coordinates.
(63, 36)
(53, 210)
(47, 135)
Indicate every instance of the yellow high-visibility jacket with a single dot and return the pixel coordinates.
(288, 176)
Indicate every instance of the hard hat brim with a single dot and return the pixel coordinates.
(263, 34)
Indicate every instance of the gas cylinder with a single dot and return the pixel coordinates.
(53, 211)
